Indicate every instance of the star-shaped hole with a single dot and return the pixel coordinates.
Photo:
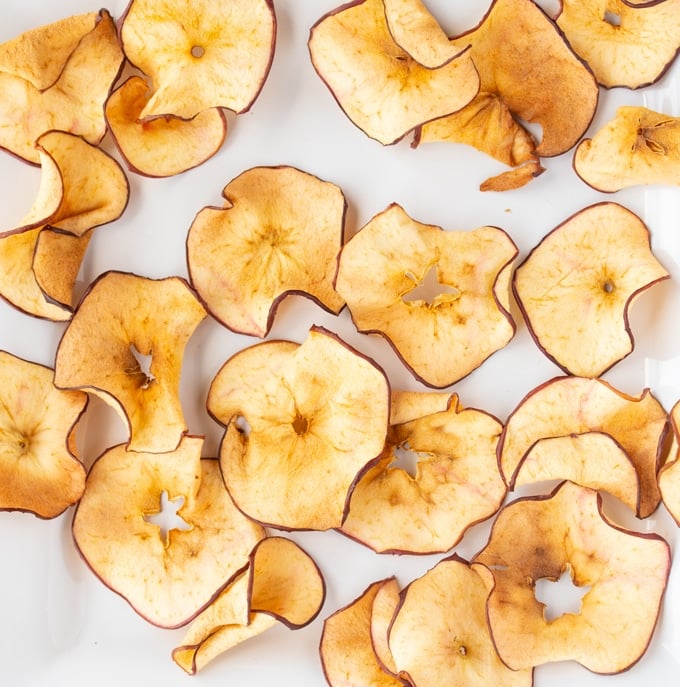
(167, 518)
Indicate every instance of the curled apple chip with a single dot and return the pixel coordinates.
(669, 475)
(162, 146)
(637, 147)
(347, 653)
(39, 468)
(456, 483)
(121, 321)
(315, 414)
(385, 603)
(168, 574)
(385, 91)
(282, 583)
(564, 406)
(576, 287)
(200, 55)
(279, 232)
(624, 43)
(625, 574)
(443, 330)
(440, 636)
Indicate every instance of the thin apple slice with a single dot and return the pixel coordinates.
(385, 604)
(669, 475)
(625, 572)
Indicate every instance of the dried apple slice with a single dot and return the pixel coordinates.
(669, 475)
(282, 583)
(39, 468)
(456, 483)
(634, 50)
(347, 654)
(385, 604)
(167, 577)
(121, 319)
(543, 537)
(279, 232)
(162, 146)
(637, 147)
(577, 285)
(385, 91)
(439, 635)
(200, 55)
(314, 413)
(440, 336)
(575, 405)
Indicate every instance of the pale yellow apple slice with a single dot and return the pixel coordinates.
(385, 603)
(279, 232)
(577, 285)
(39, 467)
(625, 574)
(441, 331)
(315, 414)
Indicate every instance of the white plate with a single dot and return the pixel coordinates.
(60, 625)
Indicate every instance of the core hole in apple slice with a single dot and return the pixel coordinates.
(168, 517)
(560, 596)
(144, 366)
(429, 289)
(406, 459)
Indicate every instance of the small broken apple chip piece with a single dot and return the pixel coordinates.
(282, 583)
(625, 574)
(162, 146)
(637, 147)
(576, 287)
(348, 656)
(385, 91)
(669, 475)
(200, 55)
(125, 344)
(440, 635)
(440, 298)
(566, 406)
(39, 469)
(279, 232)
(455, 484)
(624, 43)
(73, 103)
(315, 414)
(168, 566)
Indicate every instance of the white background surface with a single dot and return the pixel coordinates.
(58, 624)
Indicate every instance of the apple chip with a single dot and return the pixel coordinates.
(439, 635)
(441, 298)
(315, 414)
(74, 103)
(39, 468)
(279, 232)
(385, 604)
(669, 475)
(347, 653)
(576, 287)
(624, 43)
(565, 406)
(625, 572)
(122, 320)
(456, 483)
(637, 147)
(162, 146)
(385, 91)
(200, 55)
(167, 574)
(282, 583)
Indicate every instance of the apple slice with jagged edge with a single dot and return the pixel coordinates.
(281, 584)
(279, 233)
(440, 636)
(637, 147)
(122, 321)
(630, 44)
(455, 484)
(162, 146)
(385, 91)
(39, 467)
(441, 331)
(167, 572)
(576, 287)
(200, 55)
(624, 572)
(566, 406)
(314, 413)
